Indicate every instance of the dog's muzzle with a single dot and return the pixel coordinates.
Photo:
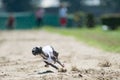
(35, 51)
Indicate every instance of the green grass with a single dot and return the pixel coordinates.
(106, 40)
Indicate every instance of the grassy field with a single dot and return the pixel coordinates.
(106, 40)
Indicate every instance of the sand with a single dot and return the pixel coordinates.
(82, 62)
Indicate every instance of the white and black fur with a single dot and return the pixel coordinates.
(38, 51)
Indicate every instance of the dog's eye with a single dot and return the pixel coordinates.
(34, 49)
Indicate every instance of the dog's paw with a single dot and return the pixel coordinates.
(46, 65)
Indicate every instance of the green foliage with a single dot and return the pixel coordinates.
(90, 21)
(106, 40)
(79, 19)
(112, 21)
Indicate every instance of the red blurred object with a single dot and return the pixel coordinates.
(10, 22)
(63, 21)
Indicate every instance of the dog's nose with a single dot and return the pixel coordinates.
(33, 52)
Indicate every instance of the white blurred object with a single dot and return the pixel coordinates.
(91, 2)
(1, 4)
(105, 27)
(49, 3)
(63, 12)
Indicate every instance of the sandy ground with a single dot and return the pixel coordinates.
(81, 61)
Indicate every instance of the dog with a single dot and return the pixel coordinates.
(49, 55)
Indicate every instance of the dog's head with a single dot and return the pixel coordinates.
(36, 51)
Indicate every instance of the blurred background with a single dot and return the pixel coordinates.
(81, 13)
(84, 36)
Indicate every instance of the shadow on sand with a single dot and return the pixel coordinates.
(46, 72)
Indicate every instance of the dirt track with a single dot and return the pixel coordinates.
(82, 61)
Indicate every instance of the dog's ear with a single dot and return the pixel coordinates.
(56, 54)
(40, 50)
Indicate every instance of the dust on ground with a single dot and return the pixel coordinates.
(81, 61)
